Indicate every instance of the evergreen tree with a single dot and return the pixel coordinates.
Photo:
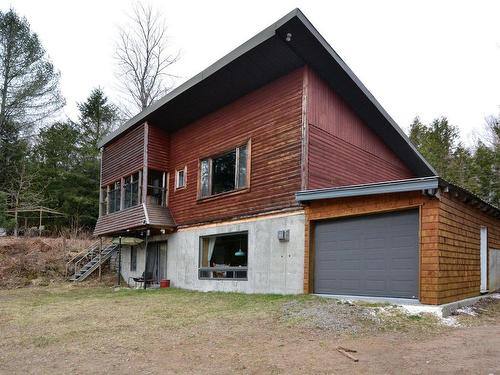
(29, 89)
(98, 117)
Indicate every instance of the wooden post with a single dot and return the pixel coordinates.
(119, 260)
(100, 255)
(40, 224)
(146, 260)
(16, 219)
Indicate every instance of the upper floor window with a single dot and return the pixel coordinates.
(114, 197)
(224, 173)
(156, 188)
(180, 178)
(131, 189)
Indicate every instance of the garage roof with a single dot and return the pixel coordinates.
(289, 43)
(427, 185)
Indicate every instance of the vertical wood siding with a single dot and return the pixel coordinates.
(123, 156)
(342, 149)
(271, 118)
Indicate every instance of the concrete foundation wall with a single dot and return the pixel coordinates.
(494, 270)
(273, 266)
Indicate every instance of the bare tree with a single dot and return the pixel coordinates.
(143, 58)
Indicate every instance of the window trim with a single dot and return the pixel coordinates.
(104, 203)
(200, 268)
(163, 187)
(133, 250)
(238, 190)
(176, 182)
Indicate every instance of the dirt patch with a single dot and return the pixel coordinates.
(346, 318)
(35, 261)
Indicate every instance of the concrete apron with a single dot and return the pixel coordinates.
(413, 306)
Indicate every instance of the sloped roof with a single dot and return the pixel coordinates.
(289, 43)
(137, 217)
(429, 185)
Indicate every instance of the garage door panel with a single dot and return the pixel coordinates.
(375, 255)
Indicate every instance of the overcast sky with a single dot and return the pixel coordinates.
(426, 58)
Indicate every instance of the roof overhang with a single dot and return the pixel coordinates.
(427, 185)
(286, 45)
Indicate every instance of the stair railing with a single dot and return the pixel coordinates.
(75, 263)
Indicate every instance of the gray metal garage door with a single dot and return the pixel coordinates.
(373, 255)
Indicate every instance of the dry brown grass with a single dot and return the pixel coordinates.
(40, 261)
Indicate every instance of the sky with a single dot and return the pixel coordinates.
(425, 58)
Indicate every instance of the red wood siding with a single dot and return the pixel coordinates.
(342, 150)
(158, 144)
(271, 117)
(123, 156)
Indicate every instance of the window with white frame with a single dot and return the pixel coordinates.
(224, 256)
(225, 172)
(180, 178)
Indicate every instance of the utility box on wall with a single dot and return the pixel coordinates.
(284, 235)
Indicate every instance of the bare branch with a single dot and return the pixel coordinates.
(142, 58)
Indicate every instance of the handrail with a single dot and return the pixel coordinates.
(82, 255)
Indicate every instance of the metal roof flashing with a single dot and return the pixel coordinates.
(428, 185)
(397, 186)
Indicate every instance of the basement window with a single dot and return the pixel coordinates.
(225, 172)
(224, 256)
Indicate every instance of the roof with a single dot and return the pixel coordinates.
(138, 217)
(289, 43)
(428, 185)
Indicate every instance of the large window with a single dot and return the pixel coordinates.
(114, 197)
(131, 188)
(224, 256)
(225, 172)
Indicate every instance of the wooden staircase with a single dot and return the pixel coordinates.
(84, 263)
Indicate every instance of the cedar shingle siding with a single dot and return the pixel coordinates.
(449, 239)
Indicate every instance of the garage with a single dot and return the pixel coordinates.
(369, 255)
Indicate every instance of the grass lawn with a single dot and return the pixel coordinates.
(68, 329)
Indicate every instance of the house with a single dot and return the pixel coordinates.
(276, 171)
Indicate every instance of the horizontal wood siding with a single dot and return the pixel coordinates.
(158, 145)
(342, 149)
(123, 156)
(459, 248)
(271, 118)
(120, 221)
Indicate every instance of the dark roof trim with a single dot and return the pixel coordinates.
(398, 186)
(428, 185)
